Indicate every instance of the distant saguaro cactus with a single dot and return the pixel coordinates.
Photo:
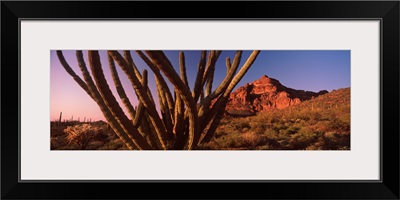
(59, 120)
(187, 119)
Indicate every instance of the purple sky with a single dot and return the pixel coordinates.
(298, 69)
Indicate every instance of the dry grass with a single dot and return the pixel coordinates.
(319, 124)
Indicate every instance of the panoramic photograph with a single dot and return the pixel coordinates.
(200, 100)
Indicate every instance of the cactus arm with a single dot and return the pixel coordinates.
(129, 60)
(161, 80)
(210, 63)
(72, 73)
(120, 89)
(209, 133)
(209, 72)
(132, 65)
(141, 120)
(142, 93)
(228, 64)
(109, 99)
(167, 105)
(227, 80)
(179, 117)
(165, 112)
(140, 108)
(219, 104)
(222, 87)
(246, 66)
(206, 118)
(137, 120)
(179, 112)
(209, 83)
(201, 96)
(162, 62)
(218, 53)
(169, 121)
(199, 79)
(182, 68)
(152, 133)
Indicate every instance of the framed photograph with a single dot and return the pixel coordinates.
(109, 99)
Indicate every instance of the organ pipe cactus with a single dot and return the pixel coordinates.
(188, 117)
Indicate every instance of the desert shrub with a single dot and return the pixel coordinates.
(94, 145)
(83, 134)
(259, 128)
(267, 117)
(272, 139)
(333, 140)
(315, 146)
(344, 148)
(207, 146)
(315, 116)
(232, 143)
(114, 144)
(322, 126)
(220, 133)
(302, 114)
(339, 125)
(291, 130)
(56, 131)
(250, 139)
(279, 127)
(57, 142)
(303, 138)
(245, 130)
(241, 124)
(72, 146)
(270, 133)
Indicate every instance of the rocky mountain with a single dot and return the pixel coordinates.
(266, 94)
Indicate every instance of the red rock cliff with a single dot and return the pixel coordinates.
(266, 94)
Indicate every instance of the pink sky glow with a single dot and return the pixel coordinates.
(311, 70)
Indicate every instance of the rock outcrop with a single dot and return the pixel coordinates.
(265, 94)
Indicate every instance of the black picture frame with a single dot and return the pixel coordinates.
(386, 11)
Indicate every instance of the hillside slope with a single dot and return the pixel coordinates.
(322, 123)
